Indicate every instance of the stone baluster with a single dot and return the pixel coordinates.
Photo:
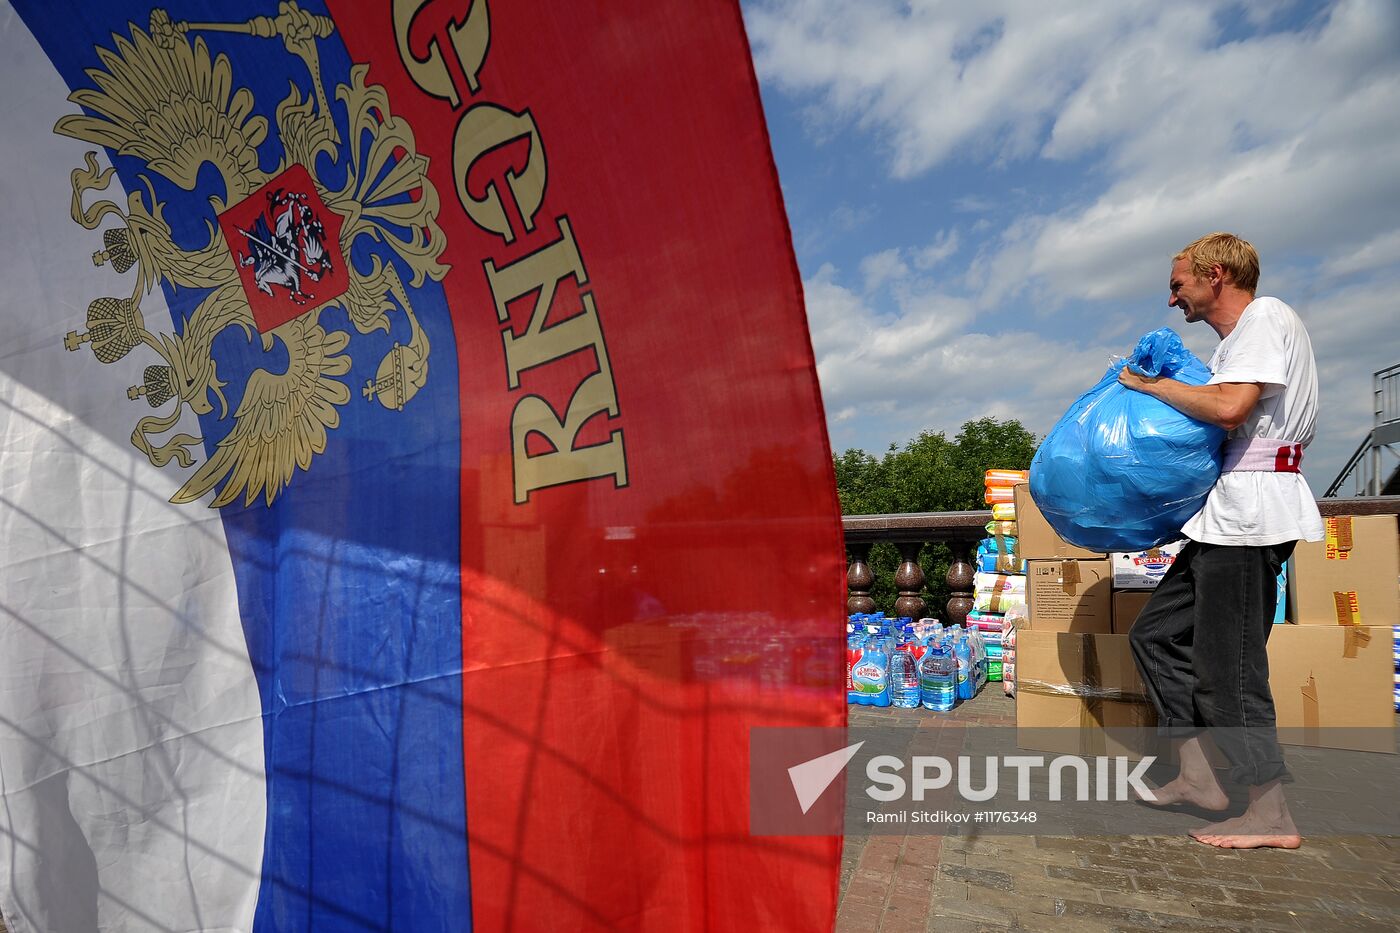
(960, 576)
(859, 579)
(909, 579)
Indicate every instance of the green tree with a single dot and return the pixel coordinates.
(929, 474)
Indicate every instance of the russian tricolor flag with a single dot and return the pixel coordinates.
(414, 485)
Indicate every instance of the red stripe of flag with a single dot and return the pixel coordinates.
(608, 622)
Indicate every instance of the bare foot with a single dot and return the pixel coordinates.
(1206, 796)
(1266, 824)
(1244, 833)
(1195, 784)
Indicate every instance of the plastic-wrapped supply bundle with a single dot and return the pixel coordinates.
(1122, 471)
(997, 592)
(1013, 620)
(984, 622)
(999, 555)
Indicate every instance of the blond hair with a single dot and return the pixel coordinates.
(1237, 257)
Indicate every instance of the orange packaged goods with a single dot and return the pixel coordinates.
(1005, 477)
(997, 494)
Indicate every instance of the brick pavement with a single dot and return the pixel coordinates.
(894, 883)
(917, 883)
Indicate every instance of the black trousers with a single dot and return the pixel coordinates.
(1199, 644)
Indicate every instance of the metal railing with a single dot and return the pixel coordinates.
(1366, 467)
(1387, 390)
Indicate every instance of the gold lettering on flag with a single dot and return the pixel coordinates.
(542, 271)
(469, 40)
(484, 128)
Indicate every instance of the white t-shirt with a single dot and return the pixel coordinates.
(1269, 345)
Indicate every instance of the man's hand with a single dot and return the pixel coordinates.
(1136, 381)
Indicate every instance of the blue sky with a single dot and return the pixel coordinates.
(985, 197)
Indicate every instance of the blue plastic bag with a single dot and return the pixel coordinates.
(1122, 471)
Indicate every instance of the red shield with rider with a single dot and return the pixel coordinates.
(286, 245)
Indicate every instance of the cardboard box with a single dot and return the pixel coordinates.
(1036, 539)
(1143, 570)
(1070, 688)
(1350, 577)
(1333, 686)
(1070, 595)
(1127, 604)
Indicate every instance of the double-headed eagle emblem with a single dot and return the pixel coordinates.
(276, 251)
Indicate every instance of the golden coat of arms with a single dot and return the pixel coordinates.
(278, 250)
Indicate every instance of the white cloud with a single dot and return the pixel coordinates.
(944, 245)
(971, 204)
(885, 377)
(842, 221)
(1156, 130)
(1381, 252)
(935, 78)
(881, 268)
(1291, 140)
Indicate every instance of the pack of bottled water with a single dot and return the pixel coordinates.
(907, 664)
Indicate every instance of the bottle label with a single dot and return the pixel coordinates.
(868, 678)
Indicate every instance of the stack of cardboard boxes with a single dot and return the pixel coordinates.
(1072, 670)
(1330, 669)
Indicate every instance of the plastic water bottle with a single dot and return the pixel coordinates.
(916, 647)
(854, 642)
(871, 676)
(937, 678)
(979, 661)
(966, 686)
(986, 659)
(904, 678)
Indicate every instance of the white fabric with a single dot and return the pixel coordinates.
(132, 788)
(1261, 453)
(1270, 346)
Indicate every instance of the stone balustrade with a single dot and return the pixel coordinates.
(961, 531)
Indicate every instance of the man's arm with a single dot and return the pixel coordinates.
(1225, 404)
